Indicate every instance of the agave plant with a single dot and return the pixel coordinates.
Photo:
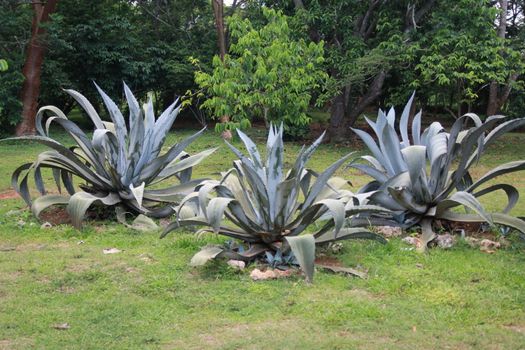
(269, 208)
(117, 164)
(427, 176)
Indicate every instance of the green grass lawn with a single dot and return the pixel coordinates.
(148, 297)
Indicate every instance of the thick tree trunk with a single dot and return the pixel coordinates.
(343, 116)
(33, 67)
(373, 92)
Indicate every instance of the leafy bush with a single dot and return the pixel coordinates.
(270, 208)
(267, 74)
(426, 177)
(10, 106)
(118, 164)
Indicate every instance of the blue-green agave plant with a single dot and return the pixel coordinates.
(117, 164)
(426, 176)
(270, 208)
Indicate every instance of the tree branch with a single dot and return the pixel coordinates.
(373, 92)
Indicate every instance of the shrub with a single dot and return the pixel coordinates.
(267, 74)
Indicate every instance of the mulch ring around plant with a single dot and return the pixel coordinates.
(55, 216)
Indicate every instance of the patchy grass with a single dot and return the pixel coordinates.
(148, 297)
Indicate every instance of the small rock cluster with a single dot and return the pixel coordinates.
(446, 241)
(389, 231)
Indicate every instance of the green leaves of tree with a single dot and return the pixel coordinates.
(267, 73)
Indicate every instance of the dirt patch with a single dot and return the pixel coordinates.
(519, 328)
(471, 228)
(66, 290)
(30, 247)
(79, 267)
(220, 336)
(10, 276)
(328, 261)
(55, 216)
(8, 195)
(19, 343)
(363, 294)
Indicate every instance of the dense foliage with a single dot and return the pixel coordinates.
(378, 51)
(118, 164)
(458, 54)
(267, 74)
(15, 26)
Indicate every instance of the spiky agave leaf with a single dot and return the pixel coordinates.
(118, 165)
(404, 185)
(266, 204)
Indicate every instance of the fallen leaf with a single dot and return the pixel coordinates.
(61, 326)
(111, 251)
(345, 270)
(206, 254)
(147, 258)
(7, 249)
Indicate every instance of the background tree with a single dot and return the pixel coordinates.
(366, 40)
(15, 31)
(461, 55)
(499, 90)
(266, 74)
(33, 65)
(145, 43)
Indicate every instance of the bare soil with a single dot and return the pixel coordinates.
(55, 216)
(10, 194)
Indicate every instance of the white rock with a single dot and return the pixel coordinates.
(445, 241)
(46, 225)
(412, 241)
(237, 264)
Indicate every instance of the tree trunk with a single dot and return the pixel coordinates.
(343, 115)
(498, 96)
(337, 129)
(33, 67)
(218, 12)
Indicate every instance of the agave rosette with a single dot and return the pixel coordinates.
(118, 164)
(265, 205)
(426, 176)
